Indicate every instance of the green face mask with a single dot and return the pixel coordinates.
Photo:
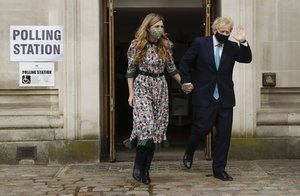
(156, 32)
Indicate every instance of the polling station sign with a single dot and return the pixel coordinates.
(36, 43)
(36, 74)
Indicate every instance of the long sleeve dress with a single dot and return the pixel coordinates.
(150, 99)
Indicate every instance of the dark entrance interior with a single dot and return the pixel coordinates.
(182, 24)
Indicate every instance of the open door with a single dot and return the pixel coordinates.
(108, 135)
(112, 151)
(208, 147)
(210, 15)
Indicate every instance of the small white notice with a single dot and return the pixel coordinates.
(36, 74)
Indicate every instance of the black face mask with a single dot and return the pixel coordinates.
(222, 39)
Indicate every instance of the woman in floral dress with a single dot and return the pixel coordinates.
(149, 56)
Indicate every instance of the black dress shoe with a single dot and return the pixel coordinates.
(187, 161)
(223, 176)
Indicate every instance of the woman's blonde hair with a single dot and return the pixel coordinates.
(142, 36)
(222, 21)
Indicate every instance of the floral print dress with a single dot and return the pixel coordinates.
(150, 100)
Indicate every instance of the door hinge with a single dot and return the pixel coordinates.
(111, 9)
(112, 104)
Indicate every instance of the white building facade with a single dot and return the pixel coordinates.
(73, 120)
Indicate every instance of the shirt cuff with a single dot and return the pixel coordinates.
(174, 72)
(244, 43)
(187, 83)
(131, 74)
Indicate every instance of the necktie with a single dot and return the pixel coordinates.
(217, 61)
(217, 55)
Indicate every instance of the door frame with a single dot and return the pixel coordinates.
(112, 118)
(108, 131)
(108, 54)
(208, 12)
(211, 12)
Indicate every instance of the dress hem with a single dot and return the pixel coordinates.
(146, 143)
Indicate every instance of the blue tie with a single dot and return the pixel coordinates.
(217, 61)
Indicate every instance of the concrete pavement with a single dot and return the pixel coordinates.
(255, 177)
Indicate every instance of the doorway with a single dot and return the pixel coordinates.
(183, 25)
(183, 22)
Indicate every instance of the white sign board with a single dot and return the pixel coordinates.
(36, 43)
(36, 74)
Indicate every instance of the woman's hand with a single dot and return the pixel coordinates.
(130, 100)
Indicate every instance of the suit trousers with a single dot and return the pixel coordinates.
(204, 119)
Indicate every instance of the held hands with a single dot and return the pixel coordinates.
(240, 34)
(187, 88)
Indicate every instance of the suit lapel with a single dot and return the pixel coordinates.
(224, 55)
(210, 50)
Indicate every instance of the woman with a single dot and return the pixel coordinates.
(149, 55)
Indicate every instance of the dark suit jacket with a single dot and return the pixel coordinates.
(199, 59)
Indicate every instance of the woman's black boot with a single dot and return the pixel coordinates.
(147, 164)
(138, 164)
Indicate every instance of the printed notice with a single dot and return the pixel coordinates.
(36, 74)
(36, 43)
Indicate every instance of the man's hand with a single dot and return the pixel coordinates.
(187, 88)
(240, 34)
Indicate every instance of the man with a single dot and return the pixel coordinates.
(212, 59)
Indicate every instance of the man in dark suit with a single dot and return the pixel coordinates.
(212, 60)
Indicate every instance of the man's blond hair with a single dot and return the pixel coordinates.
(222, 21)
